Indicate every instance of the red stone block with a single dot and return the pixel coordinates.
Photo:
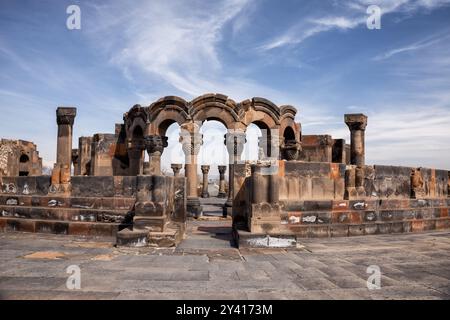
(444, 212)
(442, 224)
(417, 226)
(2, 225)
(81, 229)
(340, 205)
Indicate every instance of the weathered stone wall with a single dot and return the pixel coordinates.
(19, 157)
(312, 200)
(311, 180)
(316, 148)
(34, 185)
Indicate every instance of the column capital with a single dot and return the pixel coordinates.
(191, 142)
(65, 115)
(155, 144)
(234, 141)
(176, 167)
(356, 121)
(291, 149)
(75, 155)
(222, 169)
(205, 169)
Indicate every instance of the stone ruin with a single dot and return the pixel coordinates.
(19, 158)
(301, 186)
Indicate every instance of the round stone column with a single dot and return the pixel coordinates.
(357, 124)
(65, 118)
(155, 147)
(234, 142)
(205, 171)
(222, 193)
(191, 142)
(135, 155)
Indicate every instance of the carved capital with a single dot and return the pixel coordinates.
(235, 142)
(176, 167)
(65, 115)
(222, 169)
(291, 149)
(75, 155)
(205, 169)
(191, 143)
(356, 121)
(155, 144)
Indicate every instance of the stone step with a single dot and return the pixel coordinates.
(122, 203)
(63, 214)
(12, 224)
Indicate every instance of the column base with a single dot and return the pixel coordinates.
(228, 209)
(193, 207)
(351, 193)
(222, 195)
(205, 195)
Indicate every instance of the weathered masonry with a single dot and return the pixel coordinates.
(301, 186)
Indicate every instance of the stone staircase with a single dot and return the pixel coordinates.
(90, 216)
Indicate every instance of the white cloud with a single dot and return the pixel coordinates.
(348, 16)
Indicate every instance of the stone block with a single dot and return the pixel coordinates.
(339, 231)
(384, 228)
(355, 230)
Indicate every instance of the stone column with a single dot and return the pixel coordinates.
(191, 142)
(65, 118)
(234, 142)
(357, 124)
(155, 146)
(75, 162)
(222, 193)
(205, 170)
(176, 167)
(136, 162)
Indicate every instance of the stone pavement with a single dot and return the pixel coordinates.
(205, 266)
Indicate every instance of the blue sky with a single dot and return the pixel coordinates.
(316, 55)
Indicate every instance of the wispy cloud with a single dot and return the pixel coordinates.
(350, 15)
(160, 39)
(412, 47)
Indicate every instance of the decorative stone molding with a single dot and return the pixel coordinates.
(65, 115)
(155, 144)
(176, 167)
(191, 143)
(417, 184)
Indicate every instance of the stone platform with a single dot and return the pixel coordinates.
(34, 267)
(93, 216)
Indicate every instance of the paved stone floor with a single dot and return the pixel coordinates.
(205, 266)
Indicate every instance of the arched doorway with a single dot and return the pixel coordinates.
(24, 162)
(213, 153)
(173, 158)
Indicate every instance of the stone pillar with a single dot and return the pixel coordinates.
(136, 162)
(350, 186)
(357, 124)
(155, 146)
(260, 185)
(65, 118)
(75, 162)
(176, 167)
(234, 142)
(205, 171)
(448, 185)
(222, 193)
(191, 141)
(61, 177)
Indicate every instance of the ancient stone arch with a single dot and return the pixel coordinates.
(154, 120)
